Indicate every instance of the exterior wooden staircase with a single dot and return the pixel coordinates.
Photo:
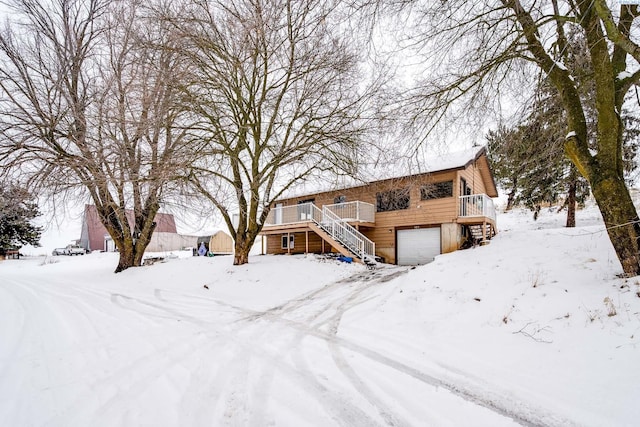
(482, 232)
(341, 235)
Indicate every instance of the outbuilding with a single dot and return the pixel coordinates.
(220, 243)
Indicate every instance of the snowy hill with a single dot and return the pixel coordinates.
(537, 316)
(533, 329)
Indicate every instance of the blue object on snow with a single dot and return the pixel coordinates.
(346, 259)
(202, 251)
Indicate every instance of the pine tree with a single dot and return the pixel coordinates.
(529, 160)
(17, 209)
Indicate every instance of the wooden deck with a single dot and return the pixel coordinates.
(298, 227)
(476, 220)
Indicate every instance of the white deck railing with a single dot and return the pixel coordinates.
(354, 211)
(292, 214)
(348, 236)
(349, 211)
(477, 205)
(336, 226)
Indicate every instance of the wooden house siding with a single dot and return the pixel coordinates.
(441, 212)
(474, 180)
(274, 243)
(431, 211)
(479, 178)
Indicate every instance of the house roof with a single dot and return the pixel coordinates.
(212, 234)
(221, 232)
(435, 163)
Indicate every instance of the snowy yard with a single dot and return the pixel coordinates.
(532, 329)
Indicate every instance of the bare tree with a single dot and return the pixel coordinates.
(280, 99)
(89, 105)
(478, 51)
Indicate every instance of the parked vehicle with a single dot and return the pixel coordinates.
(69, 250)
(75, 250)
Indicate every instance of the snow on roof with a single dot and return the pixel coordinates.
(455, 160)
(435, 162)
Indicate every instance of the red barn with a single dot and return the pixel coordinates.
(94, 235)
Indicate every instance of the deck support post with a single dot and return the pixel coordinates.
(484, 232)
(306, 242)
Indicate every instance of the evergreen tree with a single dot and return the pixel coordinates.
(529, 160)
(17, 209)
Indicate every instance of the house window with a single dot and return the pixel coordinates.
(392, 200)
(340, 199)
(287, 241)
(437, 190)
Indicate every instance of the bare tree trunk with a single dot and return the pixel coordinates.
(132, 251)
(131, 256)
(536, 212)
(621, 220)
(571, 199)
(510, 199)
(242, 248)
(131, 239)
(127, 257)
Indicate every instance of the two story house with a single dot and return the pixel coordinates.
(406, 220)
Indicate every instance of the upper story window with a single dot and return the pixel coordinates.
(340, 199)
(437, 190)
(392, 200)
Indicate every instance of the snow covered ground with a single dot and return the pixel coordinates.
(533, 329)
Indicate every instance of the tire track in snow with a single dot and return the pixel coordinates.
(354, 299)
(358, 284)
(144, 370)
(235, 374)
(11, 343)
(249, 349)
(517, 411)
(46, 332)
(335, 307)
(294, 315)
(503, 405)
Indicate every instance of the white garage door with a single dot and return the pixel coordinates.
(418, 246)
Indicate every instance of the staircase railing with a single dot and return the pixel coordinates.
(338, 228)
(353, 240)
